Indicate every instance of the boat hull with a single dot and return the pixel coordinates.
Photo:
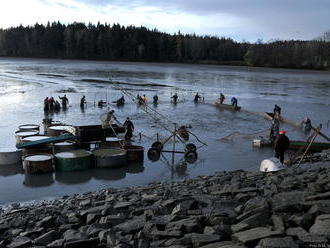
(227, 106)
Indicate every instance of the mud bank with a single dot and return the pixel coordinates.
(290, 208)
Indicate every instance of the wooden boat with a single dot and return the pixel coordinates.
(227, 106)
(294, 144)
(96, 132)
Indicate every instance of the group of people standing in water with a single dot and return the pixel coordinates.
(233, 100)
(50, 104)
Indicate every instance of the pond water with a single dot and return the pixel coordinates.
(24, 83)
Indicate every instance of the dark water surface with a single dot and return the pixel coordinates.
(24, 83)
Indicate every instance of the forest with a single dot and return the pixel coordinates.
(120, 43)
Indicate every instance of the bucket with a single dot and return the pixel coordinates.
(256, 143)
(38, 163)
(28, 127)
(110, 157)
(75, 160)
(134, 153)
(111, 142)
(64, 147)
(10, 156)
(56, 130)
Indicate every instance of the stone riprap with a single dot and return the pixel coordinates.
(290, 208)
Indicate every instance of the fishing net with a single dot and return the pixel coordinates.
(232, 136)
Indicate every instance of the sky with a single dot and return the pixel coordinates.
(242, 20)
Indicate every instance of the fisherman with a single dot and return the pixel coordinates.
(120, 101)
(144, 99)
(155, 98)
(108, 119)
(281, 143)
(51, 103)
(129, 126)
(308, 124)
(274, 129)
(222, 98)
(65, 101)
(83, 102)
(277, 110)
(101, 103)
(57, 106)
(175, 98)
(234, 101)
(46, 104)
(196, 98)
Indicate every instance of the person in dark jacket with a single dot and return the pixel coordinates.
(129, 126)
(196, 98)
(281, 143)
(277, 109)
(234, 101)
(65, 101)
(175, 98)
(222, 98)
(155, 99)
(274, 129)
(83, 102)
(308, 124)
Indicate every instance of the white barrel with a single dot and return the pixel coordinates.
(110, 157)
(271, 165)
(38, 163)
(64, 146)
(112, 142)
(10, 156)
(256, 143)
(28, 127)
(22, 134)
(35, 138)
(57, 130)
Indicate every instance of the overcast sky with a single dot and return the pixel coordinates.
(238, 19)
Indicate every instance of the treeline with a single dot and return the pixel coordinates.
(116, 42)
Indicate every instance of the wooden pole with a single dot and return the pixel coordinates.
(309, 145)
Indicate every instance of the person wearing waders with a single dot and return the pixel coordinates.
(64, 100)
(46, 104)
(175, 98)
(155, 99)
(129, 126)
(222, 98)
(277, 111)
(234, 101)
(196, 98)
(282, 143)
(108, 119)
(274, 129)
(308, 124)
(83, 102)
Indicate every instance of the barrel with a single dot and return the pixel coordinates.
(64, 146)
(110, 157)
(28, 127)
(22, 134)
(75, 160)
(111, 142)
(56, 130)
(42, 149)
(34, 138)
(10, 156)
(134, 153)
(38, 163)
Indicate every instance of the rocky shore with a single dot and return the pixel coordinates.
(289, 209)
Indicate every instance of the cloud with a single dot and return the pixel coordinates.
(239, 19)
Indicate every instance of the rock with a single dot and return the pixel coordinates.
(320, 208)
(321, 226)
(46, 238)
(56, 244)
(187, 225)
(224, 244)
(120, 205)
(131, 226)
(20, 242)
(72, 218)
(156, 234)
(323, 196)
(290, 202)
(257, 220)
(74, 235)
(255, 234)
(278, 224)
(85, 203)
(197, 239)
(87, 243)
(91, 218)
(297, 232)
(93, 210)
(209, 230)
(112, 220)
(286, 242)
(46, 222)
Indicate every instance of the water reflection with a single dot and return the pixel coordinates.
(41, 180)
(73, 177)
(110, 174)
(135, 168)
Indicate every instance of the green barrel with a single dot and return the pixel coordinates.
(76, 160)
